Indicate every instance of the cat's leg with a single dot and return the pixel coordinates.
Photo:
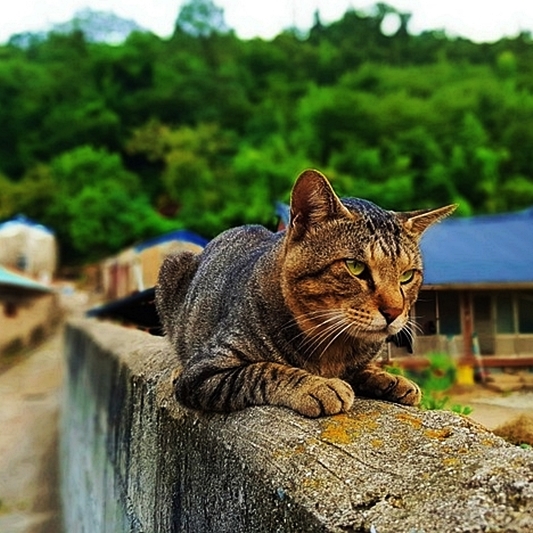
(229, 389)
(374, 382)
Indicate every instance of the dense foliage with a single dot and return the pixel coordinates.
(109, 144)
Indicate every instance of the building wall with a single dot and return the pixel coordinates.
(27, 320)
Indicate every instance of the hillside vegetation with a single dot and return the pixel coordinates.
(109, 144)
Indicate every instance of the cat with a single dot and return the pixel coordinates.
(295, 318)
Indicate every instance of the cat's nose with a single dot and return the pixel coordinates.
(390, 313)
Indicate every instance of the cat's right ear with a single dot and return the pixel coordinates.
(416, 222)
(313, 201)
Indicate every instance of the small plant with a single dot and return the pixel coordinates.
(435, 381)
(432, 401)
(461, 409)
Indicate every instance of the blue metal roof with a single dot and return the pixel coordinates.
(488, 249)
(11, 280)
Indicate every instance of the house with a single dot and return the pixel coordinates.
(478, 284)
(28, 311)
(129, 278)
(135, 269)
(28, 247)
(477, 297)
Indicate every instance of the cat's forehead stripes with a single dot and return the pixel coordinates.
(380, 257)
(379, 252)
(384, 229)
(376, 219)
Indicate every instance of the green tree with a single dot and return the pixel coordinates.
(7, 202)
(98, 206)
(211, 130)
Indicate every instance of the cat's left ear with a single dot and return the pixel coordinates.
(313, 201)
(416, 222)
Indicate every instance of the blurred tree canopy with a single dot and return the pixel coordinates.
(109, 144)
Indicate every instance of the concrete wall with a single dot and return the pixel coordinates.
(135, 461)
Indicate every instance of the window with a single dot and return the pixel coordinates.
(495, 312)
(438, 312)
(449, 313)
(514, 312)
(525, 312)
(425, 311)
(504, 313)
(10, 309)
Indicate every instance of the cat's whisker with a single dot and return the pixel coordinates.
(409, 334)
(330, 335)
(317, 315)
(311, 316)
(410, 331)
(312, 342)
(335, 337)
(323, 334)
(328, 316)
(308, 332)
(415, 327)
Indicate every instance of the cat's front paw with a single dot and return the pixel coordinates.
(406, 392)
(376, 383)
(319, 396)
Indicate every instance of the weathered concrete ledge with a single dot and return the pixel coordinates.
(135, 461)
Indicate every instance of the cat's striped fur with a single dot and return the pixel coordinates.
(295, 318)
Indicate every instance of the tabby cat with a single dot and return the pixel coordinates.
(295, 318)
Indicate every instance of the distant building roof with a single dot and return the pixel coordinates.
(22, 220)
(488, 249)
(10, 281)
(178, 235)
(480, 250)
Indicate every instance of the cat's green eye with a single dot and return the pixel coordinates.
(407, 276)
(356, 268)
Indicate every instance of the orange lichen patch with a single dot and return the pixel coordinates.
(452, 450)
(377, 443)
(491, 442)
(440, 434)
(410, 419)
(343, 429)
(451, 461)
(299, 449)
(288, 452)
(311, 483)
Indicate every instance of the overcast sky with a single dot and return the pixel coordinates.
(480, 20)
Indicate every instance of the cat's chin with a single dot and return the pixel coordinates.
(379, 335)
(373, 335)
